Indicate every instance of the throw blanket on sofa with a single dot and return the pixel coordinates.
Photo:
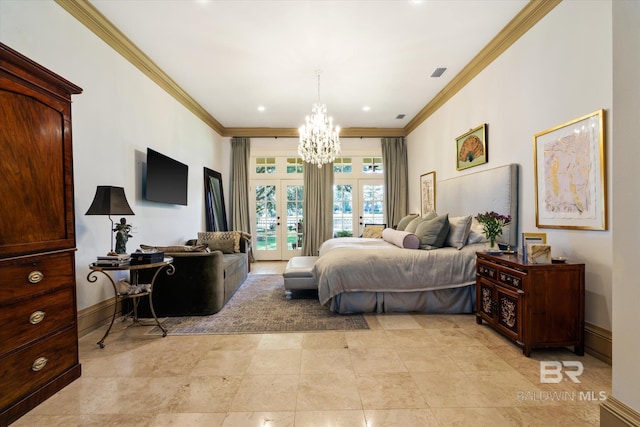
(373, 265)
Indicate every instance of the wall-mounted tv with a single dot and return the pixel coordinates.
(167, 179)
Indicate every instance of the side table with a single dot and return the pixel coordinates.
(133, 270)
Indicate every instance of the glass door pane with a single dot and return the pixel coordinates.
(267, 221)
(343, 210)
(371, 202)
(293, 219)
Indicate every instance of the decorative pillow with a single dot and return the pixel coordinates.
(208, 237)
(224, 246)
(476, 233)
(413, 224)
(373, 230)
(178, 248)
(401, 239)
(433, 232)
(459, 228)
(402, 224)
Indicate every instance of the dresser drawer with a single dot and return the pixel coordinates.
(35, 365)
(21, 277)
(511, 278)
(490, 271)
(28, 320)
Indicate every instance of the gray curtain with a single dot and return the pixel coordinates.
(318, 207)
(240, 150)
(394, 158)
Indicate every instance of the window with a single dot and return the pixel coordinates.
(266, 165)
(294, 165)
(343, 165)
(372, 165)
(343, 210)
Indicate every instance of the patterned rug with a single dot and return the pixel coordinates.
(260, 306)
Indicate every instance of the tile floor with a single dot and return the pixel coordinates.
(407, 370)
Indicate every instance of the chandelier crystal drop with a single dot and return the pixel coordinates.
(319, 141)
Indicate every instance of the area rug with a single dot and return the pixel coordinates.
(260, 306)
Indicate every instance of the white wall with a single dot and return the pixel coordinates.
(560, 70)
(119, 114)
(626, 203)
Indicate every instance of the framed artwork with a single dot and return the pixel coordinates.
(570, 176)
(428, 192)
(471, 148)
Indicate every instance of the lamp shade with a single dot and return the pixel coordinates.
(109, 201)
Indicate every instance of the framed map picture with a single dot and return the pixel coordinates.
(428, 192)
(570, 175)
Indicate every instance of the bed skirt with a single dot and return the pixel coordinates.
(441, 301)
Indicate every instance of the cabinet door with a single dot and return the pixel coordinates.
(486, 300)
(509, 313)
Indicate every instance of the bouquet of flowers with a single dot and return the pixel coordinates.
(492, 224)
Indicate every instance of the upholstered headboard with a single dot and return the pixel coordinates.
(489, 190)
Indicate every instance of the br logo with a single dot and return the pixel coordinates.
(551, 372)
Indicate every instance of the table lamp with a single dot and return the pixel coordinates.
(109, 201)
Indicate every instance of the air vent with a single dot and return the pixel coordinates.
(438, 72)
(400, 116)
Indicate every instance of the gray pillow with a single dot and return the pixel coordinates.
(413, 224)
(459, 231)
(433, 232)
(402, 224)
(224, 246)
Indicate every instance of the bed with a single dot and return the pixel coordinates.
(360, 275)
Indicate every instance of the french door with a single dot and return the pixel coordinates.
(277, 206)
(357, 202)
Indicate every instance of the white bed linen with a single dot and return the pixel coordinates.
(373, 265)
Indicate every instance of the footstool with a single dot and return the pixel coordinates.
(298, 274)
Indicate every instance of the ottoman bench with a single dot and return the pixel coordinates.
(298, 274)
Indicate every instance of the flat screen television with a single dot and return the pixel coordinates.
(167, 179)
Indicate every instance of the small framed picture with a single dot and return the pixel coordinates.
(471, 148)
(428, 192)
(532, 238)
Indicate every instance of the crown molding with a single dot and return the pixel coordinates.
(533, 12)
(91, 18)
(295, 133)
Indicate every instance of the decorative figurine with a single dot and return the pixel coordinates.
(122, 236)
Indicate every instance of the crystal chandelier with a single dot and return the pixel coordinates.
(319, 142)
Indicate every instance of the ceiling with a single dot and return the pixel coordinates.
(231, 57)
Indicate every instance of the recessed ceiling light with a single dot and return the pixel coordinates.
(438, 72)
(366, 108)
(261, 108)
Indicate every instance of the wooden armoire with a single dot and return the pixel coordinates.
(38, 311)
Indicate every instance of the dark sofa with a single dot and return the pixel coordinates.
(202, 284)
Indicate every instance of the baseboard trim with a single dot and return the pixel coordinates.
(598, 342)
(91, 318)
(614, 413)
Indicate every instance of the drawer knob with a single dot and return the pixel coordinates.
(35, 277)
(36, 317)
(39, 363)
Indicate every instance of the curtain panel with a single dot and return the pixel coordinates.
(318, 207)
(394, 158)
(240, 151)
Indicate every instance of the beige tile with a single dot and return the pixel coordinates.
(204, 394)
(285, 361)
(389, 391)
(437, 321)
(259, 419)
(398, 321)
(328, 391)
(324, 340)
(586, 414)
(400, 418)
(189, 420)
(221, 362)
(381, 360)
(331, 361)
(281, 341)
(477, 417)
(259, 393)
(94, 420)
(430, 359)
(330, 418)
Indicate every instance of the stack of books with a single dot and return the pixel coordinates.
(113, 260)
